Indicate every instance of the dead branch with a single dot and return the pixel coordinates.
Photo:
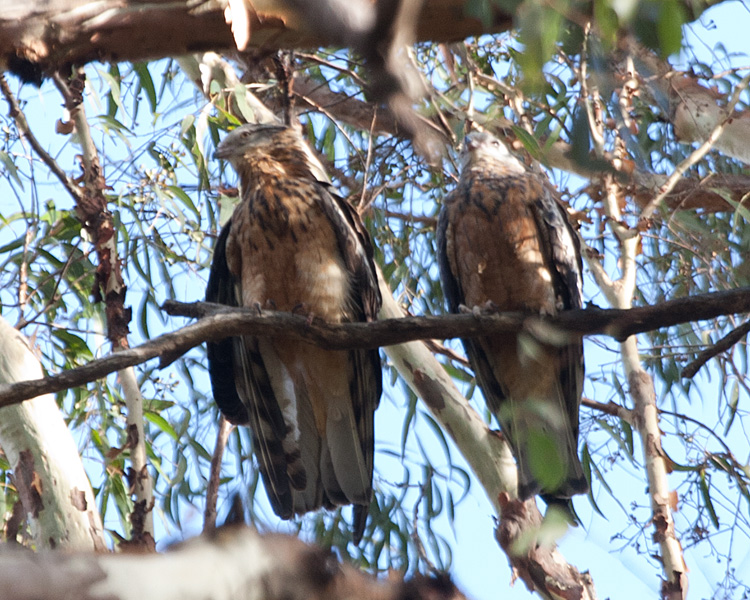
(535, 560)
(218, 321)
(93, 212)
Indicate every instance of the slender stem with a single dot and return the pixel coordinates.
(214, 477)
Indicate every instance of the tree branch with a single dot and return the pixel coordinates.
(93, 212)
(214, 477)
(218, 321)
(722, 345)
(37, 38)
(56, 494)
(24, 129)
(235, 562)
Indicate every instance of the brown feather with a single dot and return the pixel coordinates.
(294, 245)
(503, 238)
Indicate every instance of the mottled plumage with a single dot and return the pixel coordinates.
(293, 245)
(503, 238)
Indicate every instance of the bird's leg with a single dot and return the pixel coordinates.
(257, 307)
(270, 304)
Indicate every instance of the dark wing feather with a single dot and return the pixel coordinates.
(451, 285)
(560, 244)
(366, 374)
(562, 247)
(357, 251)
(237, 373)
(221, 288)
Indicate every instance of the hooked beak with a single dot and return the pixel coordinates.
(222, 151)
(470, 143)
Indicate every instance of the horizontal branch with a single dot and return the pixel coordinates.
(40, 37)
(218, 322)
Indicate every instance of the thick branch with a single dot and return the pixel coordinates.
(236, 562)
(47, 470)
(41, 37)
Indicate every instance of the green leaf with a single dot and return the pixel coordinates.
(588, 463)
(671, 20)
(112, 79)
(734, 399)
(627, 429)
(186, 124)
(240, 96)
(705, 494)
(545, 462)
(160, 422)
(528, 141)
(146, 83)
(11, 167)
(186, 200)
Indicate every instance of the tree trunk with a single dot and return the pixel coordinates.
(47, 469)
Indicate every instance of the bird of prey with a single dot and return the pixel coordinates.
(293, 245)
(504, 241)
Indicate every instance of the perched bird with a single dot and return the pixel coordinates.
(504, 241)
(293, 245)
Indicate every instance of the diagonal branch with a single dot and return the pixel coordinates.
(24, 129)
(722, 345)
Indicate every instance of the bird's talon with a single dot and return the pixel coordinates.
(490, 308)
(301, 309)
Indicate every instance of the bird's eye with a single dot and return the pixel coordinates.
(496, 143)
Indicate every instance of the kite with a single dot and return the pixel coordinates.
(505, 242)
(292, 244)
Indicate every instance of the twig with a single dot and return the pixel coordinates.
(698, 153)
(23, 127)
(425, 220)
(609, 408)
(212, 489)
(722, 345)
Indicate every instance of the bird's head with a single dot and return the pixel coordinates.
(245, 138)
(482, 148)
(270, 148)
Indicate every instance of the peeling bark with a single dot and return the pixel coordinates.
(47, 470)
(535, 560)
(93, 212)
(647, 423)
